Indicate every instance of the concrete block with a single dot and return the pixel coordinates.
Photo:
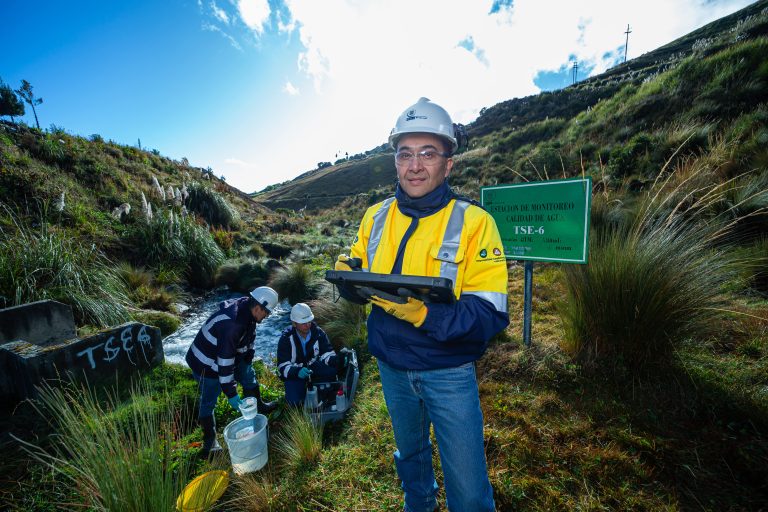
(106, 356)
(39, 323)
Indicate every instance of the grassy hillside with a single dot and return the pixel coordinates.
(117, 231)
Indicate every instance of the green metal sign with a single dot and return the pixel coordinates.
(543, 220)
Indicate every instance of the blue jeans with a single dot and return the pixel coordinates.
(296, 388)
(448, 399)
(210, 389)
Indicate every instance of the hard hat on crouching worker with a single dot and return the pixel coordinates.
(301, 314)
(427, 117)
(266, 297)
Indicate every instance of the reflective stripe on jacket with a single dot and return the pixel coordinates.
(226, 337)
(460, 242)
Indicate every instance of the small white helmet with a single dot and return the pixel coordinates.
(424, 117)
(301, 314)
(266, 297)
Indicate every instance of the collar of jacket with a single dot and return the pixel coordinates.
(426, 205)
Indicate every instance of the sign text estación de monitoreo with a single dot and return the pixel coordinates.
(542, 221)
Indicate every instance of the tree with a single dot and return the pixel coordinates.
(25, 91)
(10, 104)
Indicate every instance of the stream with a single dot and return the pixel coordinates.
(268, 332)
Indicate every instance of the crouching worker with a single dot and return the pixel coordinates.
(222, 355)
(304, 351)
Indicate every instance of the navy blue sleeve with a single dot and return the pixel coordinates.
(225, 357)
(469, 319)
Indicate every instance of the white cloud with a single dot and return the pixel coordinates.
(220, 14)
(291, 89)
(237, 162)
(254, 13)
(213, 28)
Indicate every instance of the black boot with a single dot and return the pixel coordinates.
(263, 407)
(210, 445)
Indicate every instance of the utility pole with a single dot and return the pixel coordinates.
(626, 43)
(575, 70)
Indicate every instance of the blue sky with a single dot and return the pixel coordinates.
(263, 90)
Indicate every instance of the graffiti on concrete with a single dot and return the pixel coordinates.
(127, 343)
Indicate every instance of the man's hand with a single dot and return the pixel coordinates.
(304, 373)
(413, 311)
(344, 262)
(235, 402)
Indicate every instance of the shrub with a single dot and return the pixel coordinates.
(649, 285)
(117, 459)
(276, 250)
(211, 206)
(243, 275)
(301, 440)
(296, 283)
(177, 242)
(167, 322)
(43, 264)
(224, 239)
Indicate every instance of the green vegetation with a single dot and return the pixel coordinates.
(26, 93)
(176, 241)
(117, 457)
(668, 264)
(42, 263)
(10, 104)
(211, 206)
(297, 283)
(301, 440)
(243, 275)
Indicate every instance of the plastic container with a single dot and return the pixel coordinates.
(310, 401)
(249, 408)
(247, 443)
(341, 400)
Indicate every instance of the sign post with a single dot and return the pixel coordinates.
(541, 221)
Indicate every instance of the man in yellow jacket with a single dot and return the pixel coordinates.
(426, 352)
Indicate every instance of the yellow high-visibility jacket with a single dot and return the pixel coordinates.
(460, 242)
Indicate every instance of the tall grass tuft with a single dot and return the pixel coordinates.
(211, 206)
(655, 282)
(243, 275)
(342, 320)
(300, 442)
(117, 459)
(176, 242)
(296, 283)
(38, 264)
(255, 494)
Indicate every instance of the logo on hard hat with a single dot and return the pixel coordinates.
(411, 115)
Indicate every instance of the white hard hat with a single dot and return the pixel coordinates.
(266, 297)
(424, 117)
(301, 314)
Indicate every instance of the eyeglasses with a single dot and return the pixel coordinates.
(426, 156)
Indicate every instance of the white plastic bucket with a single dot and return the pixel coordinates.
(247, 443)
